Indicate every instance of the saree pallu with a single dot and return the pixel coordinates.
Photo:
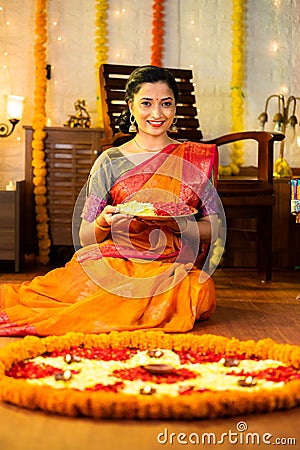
(140, 283)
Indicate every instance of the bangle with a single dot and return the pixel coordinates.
(102, 228)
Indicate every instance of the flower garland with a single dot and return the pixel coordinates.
(157, 32)
(108, 403)
(38, 125)
(237, 81)
(101, 47)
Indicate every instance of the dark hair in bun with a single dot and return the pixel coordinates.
(144, 74)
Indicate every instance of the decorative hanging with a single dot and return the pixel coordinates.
(38, 125)
(157, 32)
(237, 81)
(101, 47)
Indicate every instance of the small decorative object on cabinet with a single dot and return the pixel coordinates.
(286, 236)
(69, 153)
(11, 226)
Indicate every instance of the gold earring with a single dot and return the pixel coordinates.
(173, 127)
(132, 128)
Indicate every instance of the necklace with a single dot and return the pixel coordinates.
(148, 150)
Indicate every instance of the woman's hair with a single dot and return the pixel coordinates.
(144, 74)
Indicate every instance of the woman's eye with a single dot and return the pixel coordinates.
(167, 104)
(146, 103)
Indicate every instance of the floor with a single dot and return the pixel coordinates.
(247, 308)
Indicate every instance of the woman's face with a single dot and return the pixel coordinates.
(153, 108)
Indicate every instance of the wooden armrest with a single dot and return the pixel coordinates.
(265, 140)
(259, 136)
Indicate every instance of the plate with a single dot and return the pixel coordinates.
(158, 218)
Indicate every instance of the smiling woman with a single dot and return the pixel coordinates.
(132, 273)
(153, 108)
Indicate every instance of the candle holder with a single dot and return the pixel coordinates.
(14, 114)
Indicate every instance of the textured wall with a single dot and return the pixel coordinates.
(204, 44)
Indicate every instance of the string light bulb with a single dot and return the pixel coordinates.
(275, 46)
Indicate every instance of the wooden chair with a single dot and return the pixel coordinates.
(242, 197)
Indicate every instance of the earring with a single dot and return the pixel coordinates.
(132, 127)
(173, 127)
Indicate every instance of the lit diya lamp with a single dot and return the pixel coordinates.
(155, 353)
(71, 358)
(230, 362)
(147, 390)
(66, 375)
(247, 382)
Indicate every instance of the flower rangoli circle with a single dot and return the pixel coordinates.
(149, 375)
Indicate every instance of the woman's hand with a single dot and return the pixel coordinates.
(105, 217)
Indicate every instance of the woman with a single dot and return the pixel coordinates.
(132, 272)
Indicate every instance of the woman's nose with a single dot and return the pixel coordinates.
(156, 111)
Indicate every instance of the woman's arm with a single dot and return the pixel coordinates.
(98, 230)
(206, 228)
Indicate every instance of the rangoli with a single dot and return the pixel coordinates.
(149, 375)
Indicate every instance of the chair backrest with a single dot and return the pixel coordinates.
(113, 78)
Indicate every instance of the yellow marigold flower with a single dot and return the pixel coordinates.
(40, 190)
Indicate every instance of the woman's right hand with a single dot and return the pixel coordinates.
(105, 217)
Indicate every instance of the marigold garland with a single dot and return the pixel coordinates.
(101, 404)
(101, 47)
(157, 32)
(38, 125)
(237, 81)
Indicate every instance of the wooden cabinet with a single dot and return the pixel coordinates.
(69, 153)
(11, 226)
(286, 232)
(241, 234)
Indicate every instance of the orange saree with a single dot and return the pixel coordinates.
(147, 280)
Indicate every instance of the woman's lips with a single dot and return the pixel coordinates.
(156, 123)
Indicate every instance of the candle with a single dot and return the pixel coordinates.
(63, 376)
(10, 186)
(155, 353)
(230, 362)
(71, 358)
(147, 390)
(247, 382)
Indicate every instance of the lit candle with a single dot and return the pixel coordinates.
(147, 390)
(10, 186)
(247, 382)
(155, 353)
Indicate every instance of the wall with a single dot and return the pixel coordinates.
(204, 44)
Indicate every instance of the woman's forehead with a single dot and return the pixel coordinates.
(157, 90)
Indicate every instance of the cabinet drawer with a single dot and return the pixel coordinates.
(7, 210)
(69, 155)
(7, 237)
